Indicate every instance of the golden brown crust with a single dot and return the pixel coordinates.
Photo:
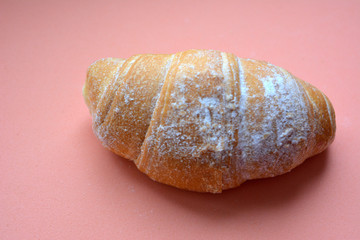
(205, 120)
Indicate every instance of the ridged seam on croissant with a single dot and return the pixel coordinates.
(205, 120)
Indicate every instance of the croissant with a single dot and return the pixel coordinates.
(205, 120)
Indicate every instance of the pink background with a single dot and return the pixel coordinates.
(58, 182)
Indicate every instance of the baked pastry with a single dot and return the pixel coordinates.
(205, 120)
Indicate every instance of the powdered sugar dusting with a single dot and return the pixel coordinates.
(274, 122)
(99, 115)
(196, 111)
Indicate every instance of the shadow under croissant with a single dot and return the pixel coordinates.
(252, 195)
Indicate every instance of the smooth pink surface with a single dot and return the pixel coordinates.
(58, 182)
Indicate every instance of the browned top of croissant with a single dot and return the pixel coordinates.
(206, 120)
